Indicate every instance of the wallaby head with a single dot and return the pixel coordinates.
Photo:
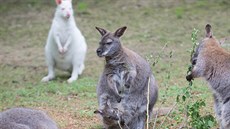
(64, 8)
(208, 45)
(110, 42)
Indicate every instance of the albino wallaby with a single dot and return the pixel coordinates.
(124, 82)
(212, 62)
(66, 46)
(24, 118)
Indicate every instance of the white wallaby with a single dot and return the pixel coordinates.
(66, 47)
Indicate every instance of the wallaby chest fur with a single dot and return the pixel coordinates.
(23, 118)
(124, 71)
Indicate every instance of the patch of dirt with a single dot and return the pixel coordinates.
(69, 119)
(19, 56)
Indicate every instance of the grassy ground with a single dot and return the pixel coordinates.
(151, 24)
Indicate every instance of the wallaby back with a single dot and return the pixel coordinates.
(24, 118)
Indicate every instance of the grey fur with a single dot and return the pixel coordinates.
(213, 64)
(123, 85)
(24, 118)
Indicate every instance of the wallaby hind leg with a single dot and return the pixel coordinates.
(225, 116)
(82, 67)
(218, 107)
(74, 74)
(51, 74)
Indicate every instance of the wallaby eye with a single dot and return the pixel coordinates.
(62, 8)
(109, 43)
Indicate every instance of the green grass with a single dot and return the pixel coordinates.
(151, 24)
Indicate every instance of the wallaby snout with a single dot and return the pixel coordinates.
(68, 15)
(99, 52)
(189, 77)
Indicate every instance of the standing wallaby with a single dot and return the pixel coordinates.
(212, 62)
(124, 82)
(24, 118)
(66, 46)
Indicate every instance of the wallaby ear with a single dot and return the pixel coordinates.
(208, 29)
(101, 31)
(58, 2)
(119, 32)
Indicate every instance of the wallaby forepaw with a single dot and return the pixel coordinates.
(60, 50)
(64, 50)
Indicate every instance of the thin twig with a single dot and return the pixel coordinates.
(155, 121)
(159, 55)
(119, 124)
(119, 120)
(168, 114)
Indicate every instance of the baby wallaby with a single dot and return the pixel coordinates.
(111, 115)
(212, 62)
(24, 118)
(66, 47)
(124, 81)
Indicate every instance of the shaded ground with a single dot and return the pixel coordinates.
(23, 31)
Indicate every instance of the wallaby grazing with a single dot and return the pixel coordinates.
(24, 118)
(123, 86)
(212, 62)
(66, 46)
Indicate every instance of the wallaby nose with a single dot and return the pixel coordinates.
(99, 51)
(68, 15)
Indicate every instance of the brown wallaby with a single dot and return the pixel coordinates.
(24, 118)
(124, 82)
(212, 62)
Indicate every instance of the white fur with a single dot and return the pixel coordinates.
(66, 47)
